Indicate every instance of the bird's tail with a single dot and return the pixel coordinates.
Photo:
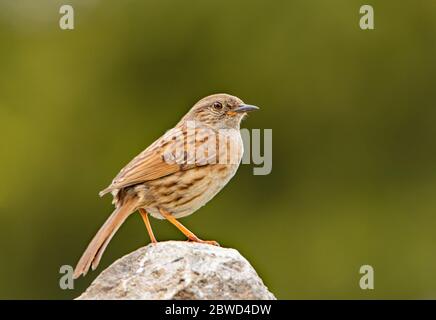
(92, 255)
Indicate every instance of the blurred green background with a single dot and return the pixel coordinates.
(353, 116)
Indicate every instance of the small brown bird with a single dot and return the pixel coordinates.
(177, 174)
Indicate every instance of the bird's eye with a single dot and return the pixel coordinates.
(217, 105)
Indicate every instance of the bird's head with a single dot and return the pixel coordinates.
(220, 111)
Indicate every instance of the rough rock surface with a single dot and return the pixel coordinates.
(179, 270)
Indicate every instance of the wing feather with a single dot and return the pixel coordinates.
(165, 156)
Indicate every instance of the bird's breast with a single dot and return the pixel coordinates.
(184, 192)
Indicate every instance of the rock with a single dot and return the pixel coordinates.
(179, 270)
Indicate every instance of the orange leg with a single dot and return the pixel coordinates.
(144, 216)
(184, 230)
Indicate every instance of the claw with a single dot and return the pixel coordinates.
(210, 242)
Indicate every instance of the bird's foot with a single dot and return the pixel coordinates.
(211, 242)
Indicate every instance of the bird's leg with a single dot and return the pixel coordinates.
(191, 236)
(144, 216)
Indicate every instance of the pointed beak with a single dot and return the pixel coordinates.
(245, 108)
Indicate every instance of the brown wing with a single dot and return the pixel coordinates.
(165, 156)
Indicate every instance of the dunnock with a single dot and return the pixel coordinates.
(177, 174)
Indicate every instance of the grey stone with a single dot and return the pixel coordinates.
(179, 270)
